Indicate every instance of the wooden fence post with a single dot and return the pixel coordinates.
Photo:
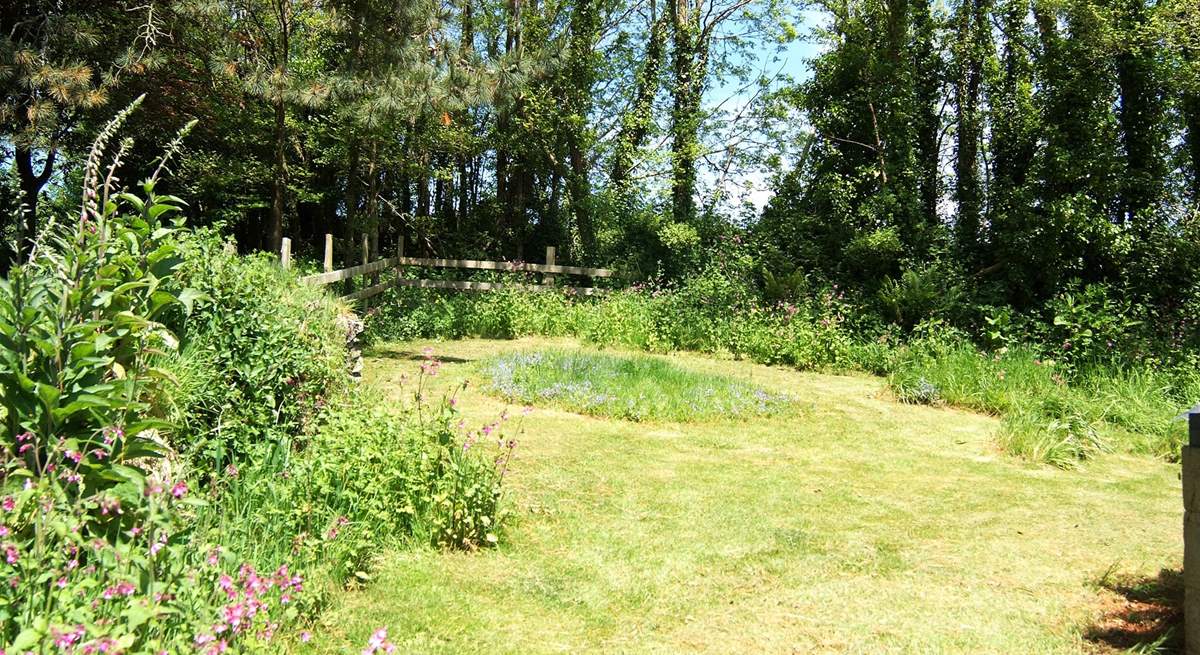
(328, 252)
(1191, 535)
(285, 252)
(549, 279)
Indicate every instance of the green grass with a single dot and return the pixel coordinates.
(632, 387)
(859, 525)
(1045, 418)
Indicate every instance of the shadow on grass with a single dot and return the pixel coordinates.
(411, 355)
(1146, 616)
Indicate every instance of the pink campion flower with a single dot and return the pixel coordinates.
(11, 554)
(305, 636)
(378, 643)
(66, 640)
(226, 584)
(22, 449)
(487, 430)
(125, 588)
(180, 489)
(158, 545)
(214, 556)
(74, 456)
(235, 615)
(61, 583)
(3, 530)
(8, 504)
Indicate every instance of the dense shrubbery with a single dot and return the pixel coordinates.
(165, 405)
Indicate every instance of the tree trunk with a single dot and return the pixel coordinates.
(279, 180)
(685, 111)
(31, 188)
(1191, 117)
(968, 189)
(1140, 115)
(927, 87)
(636, 122)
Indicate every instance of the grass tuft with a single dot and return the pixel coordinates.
(631, 387)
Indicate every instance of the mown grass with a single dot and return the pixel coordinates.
(859, 525)
(631, 387)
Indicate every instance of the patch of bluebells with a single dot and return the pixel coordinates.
(513, 376)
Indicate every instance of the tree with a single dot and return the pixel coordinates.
(58, 62)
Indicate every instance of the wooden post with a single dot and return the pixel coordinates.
(1191, 535)
(285, 253)
(549, 279)
(366, 259)
(328, 252)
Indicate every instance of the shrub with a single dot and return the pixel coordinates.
(261, 352)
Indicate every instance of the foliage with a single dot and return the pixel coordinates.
(1051, 413)
(260, 355)
(636, 388)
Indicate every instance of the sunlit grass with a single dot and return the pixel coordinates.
(858, 525)
(631, 387)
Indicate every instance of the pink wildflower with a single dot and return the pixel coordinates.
(180, 489)
(378, 643)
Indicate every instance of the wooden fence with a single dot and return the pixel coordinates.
(373, 268)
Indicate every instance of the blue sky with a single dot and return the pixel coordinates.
(791, 61)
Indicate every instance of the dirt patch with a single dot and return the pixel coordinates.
(1145, 614)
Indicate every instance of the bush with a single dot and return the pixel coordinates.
(260, 355)
(125, 343)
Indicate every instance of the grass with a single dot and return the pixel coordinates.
(860, 525)
(1045, 419)
(632, 387)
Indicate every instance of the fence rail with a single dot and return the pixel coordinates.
(373, 268)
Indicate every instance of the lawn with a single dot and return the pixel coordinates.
(849, 524)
